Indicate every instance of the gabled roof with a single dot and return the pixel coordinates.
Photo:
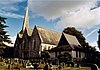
(29, 32)
(72, 40)
(48, 36)
(72, 44)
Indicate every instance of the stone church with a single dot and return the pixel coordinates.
(31, 42)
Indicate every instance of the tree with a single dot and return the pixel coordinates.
(91, 55)
(45, 56)
(78, 34)
(65, 57)
(3, 34)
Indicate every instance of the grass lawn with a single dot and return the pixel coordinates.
(81, 68)
(55, 68)
(4, 66)
(74, 68)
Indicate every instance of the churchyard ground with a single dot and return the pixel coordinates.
(5, 63)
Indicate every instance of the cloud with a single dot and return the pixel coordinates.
(91, 33)
(52, 9)
(82, 19)
(6, 8)
(10, 1)
(9, 14)
(9, 5)
(13, 38)
(94, 44)
(76, 13)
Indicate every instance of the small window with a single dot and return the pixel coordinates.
(48, 47)
(44, 48)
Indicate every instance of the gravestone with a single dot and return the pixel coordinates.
(94, 67)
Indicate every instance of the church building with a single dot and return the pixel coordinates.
(68, 44)
(31, 42)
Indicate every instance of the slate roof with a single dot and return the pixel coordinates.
(73, 44)
(72, 40)
(48, 36)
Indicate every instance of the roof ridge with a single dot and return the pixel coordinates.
(47, 29)
(48, 36)
(68, 34)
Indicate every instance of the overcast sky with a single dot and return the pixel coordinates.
(56, 15)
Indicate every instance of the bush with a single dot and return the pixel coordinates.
(64, 57)
(35, 66)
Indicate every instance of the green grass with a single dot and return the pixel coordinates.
(54, 68)
(74, 68)
(4, 67)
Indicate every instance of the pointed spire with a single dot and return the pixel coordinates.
(25, 22)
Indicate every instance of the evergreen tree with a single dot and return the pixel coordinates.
(3, 34)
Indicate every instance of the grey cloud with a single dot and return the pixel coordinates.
(6, 6)
(72, 12)
(52, 9)
(9, 14)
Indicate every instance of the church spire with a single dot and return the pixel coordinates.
(25, 22)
